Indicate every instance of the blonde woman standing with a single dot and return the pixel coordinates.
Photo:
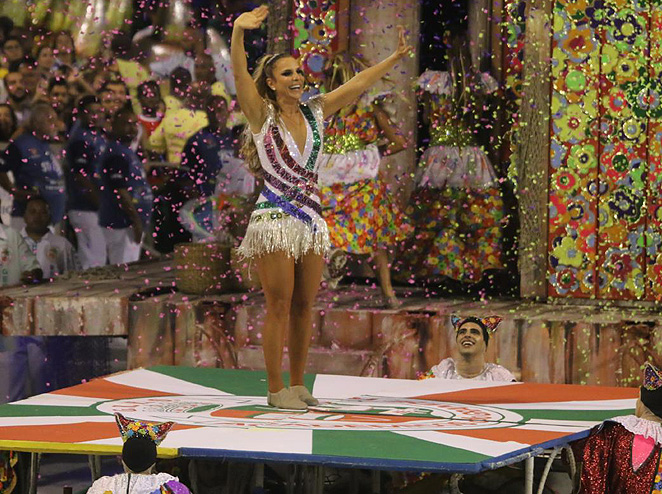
(287, 235)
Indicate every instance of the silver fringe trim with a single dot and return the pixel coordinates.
(270, 232)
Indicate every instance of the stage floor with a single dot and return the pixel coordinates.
(383, 424)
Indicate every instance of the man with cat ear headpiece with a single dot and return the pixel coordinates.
(623, 454)
(472, 335)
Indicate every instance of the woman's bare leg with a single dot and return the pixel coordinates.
(383, 272)
(307, 278)
(276, 272)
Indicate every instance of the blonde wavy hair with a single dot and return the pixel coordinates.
(263, 71)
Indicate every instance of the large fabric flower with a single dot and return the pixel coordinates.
(615, 160)
(583, 159)
(572, 124)
(633, 130)
(628, 69)
(626, 204)
(609, 58)
(564, 280)
(627, 30)
(624, 271)
(567, 253)
(579, 43)
(566, 181)
(616, 104)
(644, 95)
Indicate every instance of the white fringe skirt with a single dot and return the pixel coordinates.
(276, 231)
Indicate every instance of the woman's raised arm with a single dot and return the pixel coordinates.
(249, 99)
(357, 85)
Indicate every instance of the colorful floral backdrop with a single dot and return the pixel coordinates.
(605, 158)
(315, 34)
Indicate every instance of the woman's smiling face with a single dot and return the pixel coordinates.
(287, 78)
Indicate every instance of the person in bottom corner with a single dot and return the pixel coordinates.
(126, 198)
(622, 455)
(55, 253)
(472, 335)
(359, 208)
(139, 460)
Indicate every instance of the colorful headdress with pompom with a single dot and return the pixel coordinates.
(489, 323)
(650, 389)
(652, 378)
(156, 431)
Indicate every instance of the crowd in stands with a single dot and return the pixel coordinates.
(98, 155)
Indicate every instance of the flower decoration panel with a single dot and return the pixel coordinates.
(605, 152)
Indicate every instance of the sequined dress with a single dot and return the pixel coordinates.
(358, 207)
(288, 215)
(622, 457)
(456, 206)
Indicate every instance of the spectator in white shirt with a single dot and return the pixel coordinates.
(17, 262)
(54, 253)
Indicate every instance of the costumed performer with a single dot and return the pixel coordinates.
(287, 235)
(362, 215)
(472, 335)
(139, 459)
(456, 207)
(622, 455)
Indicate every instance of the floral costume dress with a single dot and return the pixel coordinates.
(358, 207)
(288, 216)
(457, 206)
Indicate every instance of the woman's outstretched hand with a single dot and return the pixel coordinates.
(252, 19)
(403, 48)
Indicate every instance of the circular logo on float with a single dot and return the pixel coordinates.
(365, 413)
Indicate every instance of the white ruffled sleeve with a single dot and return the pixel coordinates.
(499, 373)
(444, 369)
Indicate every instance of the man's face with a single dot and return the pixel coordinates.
(46, 127)
(126, 126)
(59, 97)
(31, 77)
(37, 216)
(220, 113)
(115, 98)
(469, 339)
(15, 87)
(92, 116)
(13, 50)
(149, 97)
(46, 59)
